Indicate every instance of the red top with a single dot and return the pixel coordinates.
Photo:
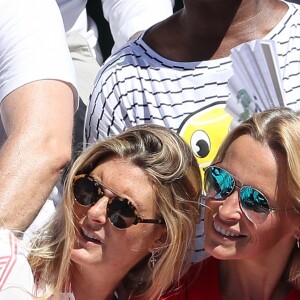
(202, 282)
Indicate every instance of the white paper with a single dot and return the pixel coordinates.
(256, 83)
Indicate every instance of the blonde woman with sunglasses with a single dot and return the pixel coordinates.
(252, 220)
(127, 224)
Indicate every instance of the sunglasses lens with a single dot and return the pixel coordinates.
(120, 213)
(218, 183)
(254, 204)
(85, 191)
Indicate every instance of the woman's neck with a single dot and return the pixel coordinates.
(204, 31)
(248, 280)
(86, 285)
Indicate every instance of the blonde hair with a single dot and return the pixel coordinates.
(166, 160)
(280, 130)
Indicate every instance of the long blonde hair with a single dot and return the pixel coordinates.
(168, 161)
(280, 130)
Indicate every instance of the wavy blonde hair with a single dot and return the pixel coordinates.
(166, 160)
(280, 130)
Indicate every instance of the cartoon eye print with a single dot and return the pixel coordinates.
(204, 131)
(200, 143)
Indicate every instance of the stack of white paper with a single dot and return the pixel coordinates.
(256, 82)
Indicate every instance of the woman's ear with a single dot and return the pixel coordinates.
(159, 241)
(296, 235)
(296, 232)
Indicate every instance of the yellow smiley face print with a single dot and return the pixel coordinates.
(205, 131)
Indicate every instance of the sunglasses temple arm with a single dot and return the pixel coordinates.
(153, 221)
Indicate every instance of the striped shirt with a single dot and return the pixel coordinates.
(137, 86)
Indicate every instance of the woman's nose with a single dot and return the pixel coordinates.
(97, 212)
(230, 207)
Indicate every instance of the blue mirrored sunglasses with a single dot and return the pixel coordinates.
(219, 184)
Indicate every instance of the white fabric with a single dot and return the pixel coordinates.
(16, 278)
(137, 86)
(42, 218)
(32, 44)
(126, 17)
(77, 22)
(74, 15)
(85, 63)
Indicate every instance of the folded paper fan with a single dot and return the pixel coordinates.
(256, 82)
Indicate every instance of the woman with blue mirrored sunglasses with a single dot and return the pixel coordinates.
(252, 214)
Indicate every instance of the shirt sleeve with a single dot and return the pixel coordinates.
(16, 278)
(127, 17)
(33, 45)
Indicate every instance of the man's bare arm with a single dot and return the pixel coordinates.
(38, 120)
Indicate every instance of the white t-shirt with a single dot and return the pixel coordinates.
(126, 17)
(32, 44)
(76, 21)
(16, 278)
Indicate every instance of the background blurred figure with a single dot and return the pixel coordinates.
(130, 208)
(128, 18)
(38, 99)
(125, 17)
(252, 222)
